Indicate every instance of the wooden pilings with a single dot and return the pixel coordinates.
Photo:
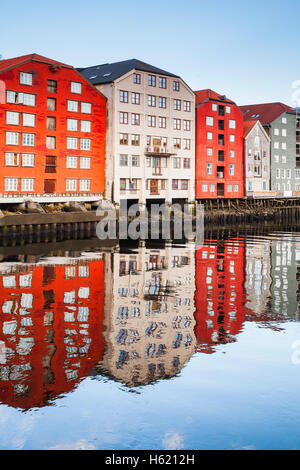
(13, 235)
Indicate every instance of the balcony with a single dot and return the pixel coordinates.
(158, 151)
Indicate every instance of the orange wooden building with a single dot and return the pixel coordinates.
(52, 132)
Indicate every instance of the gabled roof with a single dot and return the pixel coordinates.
(16, 61)
(248, 126)
(207, 95)
(266, 112)
(107, 73)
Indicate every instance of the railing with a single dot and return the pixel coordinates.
(163, 151)
(220, 175)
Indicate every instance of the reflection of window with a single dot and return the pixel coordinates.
(83, 314)
(83, 292)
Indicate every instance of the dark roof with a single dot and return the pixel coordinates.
(266, 112)
(107, 73)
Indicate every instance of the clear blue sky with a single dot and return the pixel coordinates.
(248, 50)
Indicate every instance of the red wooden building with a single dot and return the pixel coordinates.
(219, 295)
(50, 329)
(52, 132)
(219, 147)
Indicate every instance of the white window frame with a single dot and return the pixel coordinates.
(76, 87)
(26, 78)
(27, 184)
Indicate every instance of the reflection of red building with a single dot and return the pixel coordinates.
(219, 295)
(50, 330)
(219, 147)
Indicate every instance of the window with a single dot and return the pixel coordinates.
(236, 188)
(86, 108)
(28, 140)
(283, 132)
(71, 184)
(50, 142)
(76, 87)
(151, 80)
(51, 86)
(187, 163)
(72, 124)
(177, 124)
(288, 174)
(177, 105)
(228, 109)
(283, 158)
(231, 170)
(204, 188)
(214, 107)
(12, 117)
(175, 184)
(135, 98)
(85, 144)
(209, 121)
(209, 168)
(85, 163)
(176, 162)
(123, 118)
(184, 185)
(151, 101)
(277, 173)
(72, 106)
(162, 102)
(264, 185)
(123, 160)
(123, 96)
(28, 159)
(187, 106)
(135, 160)
(51, 104)
(25, 78)
(123, 139)
(209, 136)
(11, 184)
(232, 153)
(232, 138)
(29, 120)
(176, 85)
(186, 125)
(122, 184)
(284, 120)
(177, 143)
(85, 126)
(232, 124)
(229, 188)
(11, 159)
(27, 184)
(162, 122)
(135, 119)
(135, 139)
(72, 143)
(211, 188)
(71, 161)
(283, 145)
(162, 82)
(187, 144)
(276, 131)
(209, 152)
(84, 185)
(137, 78)
(276, 145)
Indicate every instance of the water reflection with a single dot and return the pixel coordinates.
(136, 315)
(51, 323)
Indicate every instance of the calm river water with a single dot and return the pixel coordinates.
(154, 347)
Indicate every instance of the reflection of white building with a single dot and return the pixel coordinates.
(285, 258)
(149, 320)
(257, 275)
